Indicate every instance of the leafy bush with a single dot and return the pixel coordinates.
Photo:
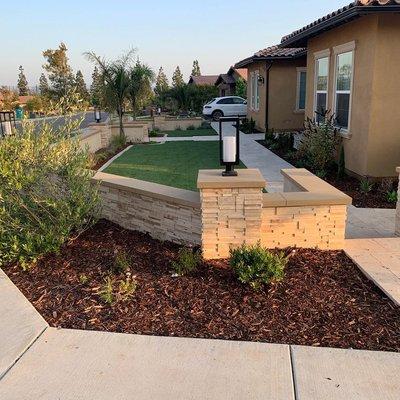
(341, 171)
(190, 128)
(257, 266)
(46, 194)
(118, 142)
(122, 263)
(118, 290)
(269, 138)
(188, 260)
(285, 141)
(205, 125)
(247, 126)
(391, 196)
(366, 186)
(320, 142)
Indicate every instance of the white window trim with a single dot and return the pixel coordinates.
(318, 56)
(344, 48)
(254, 104)
(299, 71)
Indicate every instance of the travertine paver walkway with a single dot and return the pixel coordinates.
(68, 364)
(379, 259)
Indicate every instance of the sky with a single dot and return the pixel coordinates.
(218, 33)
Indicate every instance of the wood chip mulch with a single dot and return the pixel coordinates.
(324, 300)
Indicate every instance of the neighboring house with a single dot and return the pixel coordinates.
(19, 100)
(276, 88)
(226, 83)
(203, 80)
(353, 70)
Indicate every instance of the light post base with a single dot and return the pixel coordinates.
(229, 171)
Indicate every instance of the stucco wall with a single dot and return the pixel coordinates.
(371, 144)
(282, 96)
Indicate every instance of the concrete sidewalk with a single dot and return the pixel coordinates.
(49, 363)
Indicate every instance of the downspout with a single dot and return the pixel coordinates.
(269, 66)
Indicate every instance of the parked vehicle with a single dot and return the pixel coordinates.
(225, 107)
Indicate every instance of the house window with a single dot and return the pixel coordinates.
(343, 88)
(254, 92)
(321, 85)
(301, 89)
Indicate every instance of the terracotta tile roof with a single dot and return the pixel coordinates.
(242, 72)
(272, 53)
(345, 14)
(203, 80)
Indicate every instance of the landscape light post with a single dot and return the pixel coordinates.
(229, 146)
(7, 121)
(97, 114)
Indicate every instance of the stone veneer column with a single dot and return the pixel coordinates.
(397, 228)
(230, 210)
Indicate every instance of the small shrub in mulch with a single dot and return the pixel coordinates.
(323, 299)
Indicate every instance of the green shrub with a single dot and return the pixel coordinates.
(190, 128)
(46, 194)
(247, 126)
(256, 266)
(118, 290)
(269, 138)
(205, 125)
(122, 263)
(118, 142)
(178, 128)
(107, 290)
(320, 142)
(341, 170)
(391, 196)
(366, 186)
(188, 260)
(285, 141)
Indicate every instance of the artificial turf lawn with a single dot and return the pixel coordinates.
(192, 132)
(173, 163)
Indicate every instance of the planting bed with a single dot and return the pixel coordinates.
(376, 198)
(323, 300)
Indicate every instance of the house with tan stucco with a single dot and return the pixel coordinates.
(276, 84)
(353, 70)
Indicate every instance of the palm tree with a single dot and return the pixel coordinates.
(141, 76)
(115, 81)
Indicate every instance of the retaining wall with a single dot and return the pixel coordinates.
(164, 212)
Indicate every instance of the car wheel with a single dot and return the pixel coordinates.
(216, 115)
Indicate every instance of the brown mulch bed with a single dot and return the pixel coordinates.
(324, 300)
(377, 198)
(104, 155)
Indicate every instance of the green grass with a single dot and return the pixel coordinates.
(173, 164)
(193, 132)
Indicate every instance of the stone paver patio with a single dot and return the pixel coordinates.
(42, 363)
(379, 260)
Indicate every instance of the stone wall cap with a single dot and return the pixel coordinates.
(274, 200)
(398, 170)
(163, 192)
(246, 178)
(312, 190)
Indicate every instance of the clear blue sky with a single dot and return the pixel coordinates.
(169, 33)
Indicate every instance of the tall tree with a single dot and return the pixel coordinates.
(177, 78)
(80, 86)
(60, 72)
(141, 77)
(96, 87)
(162, 84)
(8, 99)
(116, 82)
(196, 68)
(43, 85)
(22, 82)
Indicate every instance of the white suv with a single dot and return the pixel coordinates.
(225, 107)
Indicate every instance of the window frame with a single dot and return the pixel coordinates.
(254, 91)
(297, 109)
(337, 51)
(317, 57)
